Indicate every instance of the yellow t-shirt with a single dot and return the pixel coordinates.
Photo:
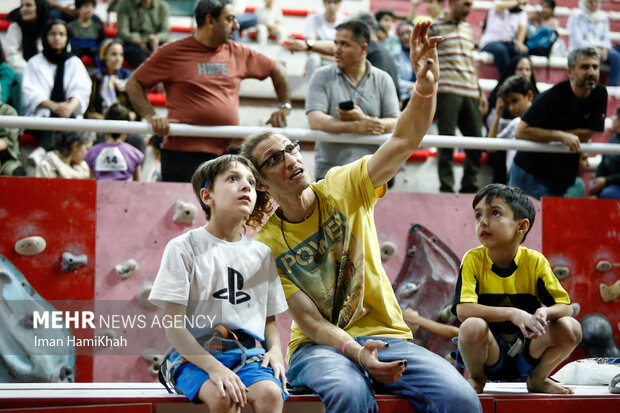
(342, 273)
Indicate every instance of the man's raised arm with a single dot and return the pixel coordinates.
(417, 116)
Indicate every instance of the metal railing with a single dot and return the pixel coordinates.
(308, 135)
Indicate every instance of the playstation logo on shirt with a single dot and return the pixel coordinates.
(233, 293)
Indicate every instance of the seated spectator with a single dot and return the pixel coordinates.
(115, 160)
(406, 75)
(519, 65)
(434, 10)
(8, 81)
(606, 183)
(142, 26)
(270, 22)
(62, 10)
(589, 27)
(386, 20)
(321, 26)
(86, 32)
(23, 39)
(66, 160)
(55, 83)
(244, 19)
(504, 34)
(545, 17)
(10, 165)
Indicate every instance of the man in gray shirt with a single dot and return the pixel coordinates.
(368, 92)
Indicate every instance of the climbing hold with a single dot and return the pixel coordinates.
(610, 293)
(604, 265)
(576, 309)
(387, 249)
(109, 334)
(126, 270)
(408, 289)
(154, 358)
(70, 262)
(561, 272)
(143, 296)
(30, 245)
(446, 314)
(184, 213)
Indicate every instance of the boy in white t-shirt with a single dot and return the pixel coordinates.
(216, 273)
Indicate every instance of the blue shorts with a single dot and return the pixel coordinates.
(189, 377)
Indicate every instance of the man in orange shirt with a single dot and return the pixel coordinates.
(201, 75)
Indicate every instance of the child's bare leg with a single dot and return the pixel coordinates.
(477, 347)
(210, 395)
(265, 397)
(563, 336)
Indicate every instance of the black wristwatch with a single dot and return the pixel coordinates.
(309, 44)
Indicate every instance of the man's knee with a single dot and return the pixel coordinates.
(473, 331)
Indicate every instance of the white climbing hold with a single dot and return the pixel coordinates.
(127, 269)
(609, 292)
(387, 249)
(154, 358)
(604, 265)
(70, 262)
(143, 296)
(407, 290)
(30, 246)
(576, 309)
(184, 213)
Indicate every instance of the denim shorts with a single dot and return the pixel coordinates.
(189, 377)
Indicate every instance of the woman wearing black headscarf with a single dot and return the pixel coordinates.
(23, 37)
(55, 82)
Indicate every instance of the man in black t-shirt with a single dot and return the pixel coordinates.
(569, 113)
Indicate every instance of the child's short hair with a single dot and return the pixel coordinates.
(204, 176)
(515, 84)
(516, 199)
(80, 3)
(63, 141)
(551, 3)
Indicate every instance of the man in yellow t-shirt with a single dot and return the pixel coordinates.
(348, 338)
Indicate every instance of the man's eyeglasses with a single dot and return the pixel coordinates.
(277, 157)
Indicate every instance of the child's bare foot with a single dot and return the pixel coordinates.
(477, 383)
(547, 386)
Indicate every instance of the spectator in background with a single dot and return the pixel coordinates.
(546, 17)
(460, 101)
(406, 75)
(62, 10)
(522, 66)
(23, 39)
(570, 112)
(589, 27)
(8, 81)
(86, 32)
(66, 160)
(434, 10)
(606, 183)
(370, 93)
(10, 165)
(203, 88)
(142, 26)
(244, 19)
(321, 26)
(504, 34)
(108, 88)
(386, 19)
(270, 22)
(115, 160)
(56, 83)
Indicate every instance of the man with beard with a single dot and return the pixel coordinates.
(569, 113)
(201, 74)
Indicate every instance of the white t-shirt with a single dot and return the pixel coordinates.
(235, 282)
(509, 133)
(317, 27)
(502, 26)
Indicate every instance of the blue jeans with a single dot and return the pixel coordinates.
(430, 383)
(610, 192)
(245, 20)
(502, 53)
(532, 185)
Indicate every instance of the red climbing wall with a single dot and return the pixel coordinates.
(63, 213)
(577, 233)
